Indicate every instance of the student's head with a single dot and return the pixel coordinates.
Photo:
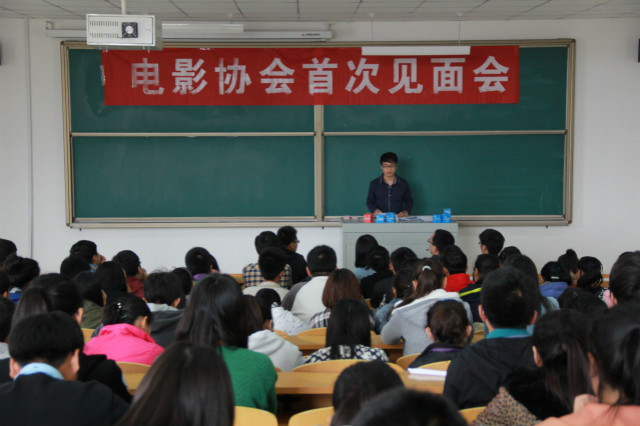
(408, 408)
(185, 278)
(258, 314)
(88, 250)
(187, 385)
(582, 301)
(199, 261)
(427, 277)
(349, 324)
(388, 157)
(378, 259)
(491, 241)
(341, 284)
(399, 256)
(624, 280)
(112, 279)
(454, 260)
(130, 310)
(359, 383)
(52, 338)
(555, 272)
(615, 347)
(506, 252)
(270, 295)
(5, 284)
(485, 263)
(524, 264)
(569, 261)
(163, 288)
(7, 247)
(89, 288)
(48, 293)
(288, 238)
(321, 260)
(364, 244)
(560, 344)
(7, 308)
(265, 239)
(129, 261)
(439, 240)
(447, 322)
(73, 265)
(403, 283)
(508, 299)
(20, 270)
(589, 274)
(388, 164)
(215, 314)
(272, 261)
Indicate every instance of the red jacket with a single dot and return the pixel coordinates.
(456, 282)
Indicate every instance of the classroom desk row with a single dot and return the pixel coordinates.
(310, 344)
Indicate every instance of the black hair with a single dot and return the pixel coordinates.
(265, 239)
(454, 260)
(272, 261)
(408, 407)
(562, 340)
(20, 270)
(50, 292)
(624, 279)
(493, 240)
(187, 385)
(349, 325)
(378, 259)
(7, 308)
(111, 277)
(270, 295)
(403, 283)
(47, 337)
(615, 345)
(448, 322)
(364, 244)
(582, 301)
(555, 272)
(525, 264)
(7, 247)
(429, 276)
(287, 235)
(215, 313)
(126, 310)
(199, 261)
(85, 249)
(509, 298)
(401, 255)
(389, 157)
(5, 284)
(486, 263)
(357, 384)
(321, 260)
(185, 278)
(162, 288)
(506, 252)
(591, 278)
(442, 238)
(89, 287)
(73, 265)
(569, 261)
(341, 284)
(255, 322)
(129, 261)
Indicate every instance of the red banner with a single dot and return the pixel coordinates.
(308, 76)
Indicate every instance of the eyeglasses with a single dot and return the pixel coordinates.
(389, 166)
(430, 242)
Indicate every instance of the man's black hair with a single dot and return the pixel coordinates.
(506, 252)
(129, 261)
(442, 238)
(265, 239)
(7, 308)
(509, 298)
(399, 256)
(486, 263)
(73, 265)
(321, 260)
(7, 247)
(272, 261)
(624, 280)
(162, 288)
(287, 235)
(378, 259)
(493, 240)
(454, 260)
(84, 248)
(198, 260)
(389, 157)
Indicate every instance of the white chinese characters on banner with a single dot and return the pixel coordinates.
(447, 78)
(405, 72)
(320, 76)
(186, 77)
(364, 71)
(145, 74)
(231, 76)
(279, 84)
(490, 71)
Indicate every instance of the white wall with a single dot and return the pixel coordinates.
(607, 148)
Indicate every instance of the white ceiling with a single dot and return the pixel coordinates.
(328, 10)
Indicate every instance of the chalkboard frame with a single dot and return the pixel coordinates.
(319, 218)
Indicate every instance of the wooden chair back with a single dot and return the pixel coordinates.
(441, 365)
(281, 333)
(133, 374)
(315, 417)
(86, 333)
(396, 368)
(320, 331)
(332, 366)
(404, 361)
(470, 414)
(247, 416)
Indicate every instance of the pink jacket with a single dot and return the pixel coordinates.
(124, 342)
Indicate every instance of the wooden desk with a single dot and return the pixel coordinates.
(310, 344)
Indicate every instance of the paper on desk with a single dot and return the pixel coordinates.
(427, 372)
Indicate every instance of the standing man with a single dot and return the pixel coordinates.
(389, 192)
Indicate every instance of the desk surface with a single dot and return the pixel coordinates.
(309, 344)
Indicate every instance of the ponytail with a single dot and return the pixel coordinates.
(429, 275)
(125, 310)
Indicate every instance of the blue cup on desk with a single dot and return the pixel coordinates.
(437, 218)
(390, 217)
(380, 218)
(446, 216)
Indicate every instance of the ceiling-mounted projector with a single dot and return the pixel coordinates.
(124, 31)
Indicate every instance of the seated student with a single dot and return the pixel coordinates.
(589, 277)
(44, 364)
(508, 305)
(163, 294)
(569, 261)
(200, 263)
(364, 244)
(382, 290)
(6, 313)
(88, 250)
(555, 280)
(491, 242)
(582, 301)
(125, 335)
(409, 318)
(341, 284)
(187, 385)
(21, 271)
(186, 280)
(283, 354)
(93, 299)
(560, 344)
(7, 247)
(288, 241)
(402, 289)
(271, 262)
(216, 316)
(251, 273)
(282, 319)
(348, 335)
(485, 263)
(73, 265)
(615, 372)
(305, 298)
(438, 241)
(449, 328)
(5, 284)
(506, 252)
(454, 263)
(378, 261)
(111, 278)
(358, 384)
(408, 407)
(136, 274)
(624, 280)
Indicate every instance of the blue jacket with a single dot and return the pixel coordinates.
(553, 289)
(389, 198)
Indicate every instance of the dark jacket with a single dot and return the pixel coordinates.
(382, 290)
(528, 387)
(164, 324)
(471, 295)
(367, 283)
(436, 352)
(298, 266)
(389, 198)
